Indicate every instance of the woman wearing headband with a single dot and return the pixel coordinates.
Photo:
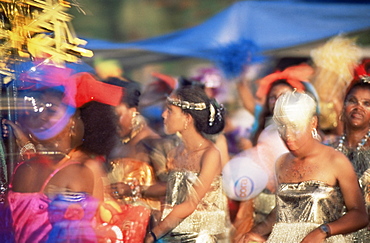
(354, 140)
(196, 208)
(315, 182)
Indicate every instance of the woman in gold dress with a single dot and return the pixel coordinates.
(196, 208)
(138, 161)
(315, 182)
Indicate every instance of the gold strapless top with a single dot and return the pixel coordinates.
(309, 201)
(210, 216)
(304, 206)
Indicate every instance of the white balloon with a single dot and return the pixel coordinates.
(243, 179)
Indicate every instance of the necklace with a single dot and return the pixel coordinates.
(54, 153)
(359, 145)
(194, 150)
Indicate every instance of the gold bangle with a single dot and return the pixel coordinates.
(26, 147)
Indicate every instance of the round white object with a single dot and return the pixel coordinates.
(243, 179)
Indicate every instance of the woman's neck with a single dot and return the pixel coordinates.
(309, 148)
(193, 140)
(354, 136)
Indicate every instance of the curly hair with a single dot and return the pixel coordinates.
(100, 128)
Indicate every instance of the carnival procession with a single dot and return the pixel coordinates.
(252, 126)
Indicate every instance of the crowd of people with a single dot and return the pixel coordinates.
(94, 167)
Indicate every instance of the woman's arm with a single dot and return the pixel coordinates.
(356, 215)
(260, 231)
(246, 96)
(355, 218)
(210, 168)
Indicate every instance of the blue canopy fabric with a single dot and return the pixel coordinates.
(243, 32)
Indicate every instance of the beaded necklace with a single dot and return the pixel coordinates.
(359, 145)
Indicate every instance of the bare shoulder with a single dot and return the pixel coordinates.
(212, 150)
(81, 167)
(337, 160)
(335, 156)
(211, 155)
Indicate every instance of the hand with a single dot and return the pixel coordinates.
(20, 135)
(251, 237)
(315, 236)
(119, 190)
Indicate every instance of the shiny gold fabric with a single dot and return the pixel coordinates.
(129, 170)
(360, 160)
(209, 222)
(264, 203)
(302, 207)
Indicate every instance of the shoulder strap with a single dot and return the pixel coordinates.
(70, 162)
(15, 169)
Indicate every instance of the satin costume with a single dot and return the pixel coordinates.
(304, 206)
(36, 216)
(129, 171)
(71, 216)
(209, 222)
(144, 172)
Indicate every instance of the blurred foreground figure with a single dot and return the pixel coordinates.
(196, 208)
(315, 182)
(54, 194)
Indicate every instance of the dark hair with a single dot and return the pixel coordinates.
(361, 84)
(131, 90)
(202, 117)
(100, 128)
(185, 82)
(265, 109)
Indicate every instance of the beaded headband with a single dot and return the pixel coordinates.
(186, 105)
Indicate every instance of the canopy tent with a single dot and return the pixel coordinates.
(245, 32)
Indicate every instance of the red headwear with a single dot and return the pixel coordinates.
(362, 70)
(170, 81)
(293, 75)
(79, 88)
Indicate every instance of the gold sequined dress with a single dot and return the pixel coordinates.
(360, 160)
(304, 206)
(209, 222)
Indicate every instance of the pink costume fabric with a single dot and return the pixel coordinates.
(71, 216)
(30, 212)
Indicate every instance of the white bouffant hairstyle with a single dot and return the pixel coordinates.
(294, 108)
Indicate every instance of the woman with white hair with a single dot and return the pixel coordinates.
(315, 182)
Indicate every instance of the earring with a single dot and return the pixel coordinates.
(72, 131)
(134, 120)
(186, 125)
(340, 116)
(315, 135)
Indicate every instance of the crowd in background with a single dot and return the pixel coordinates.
(109, 159)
